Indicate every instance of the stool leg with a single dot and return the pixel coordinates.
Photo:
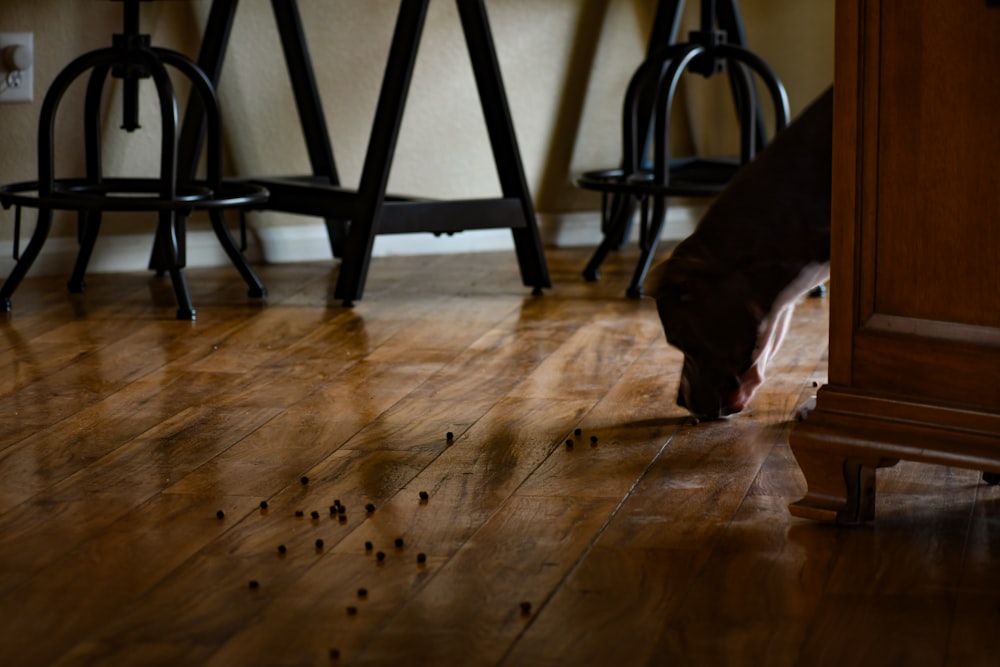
(90, 225)
(651, 231)
(42, 227)
(256, 289)
(166, 247)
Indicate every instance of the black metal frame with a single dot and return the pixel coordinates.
(132, 58)
(646, 117)
(354, 217)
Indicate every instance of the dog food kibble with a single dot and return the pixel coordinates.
(319, 545)
(220, 515)
(254, 584)
(578, 432)
(314, 514)
(299, 513)
(525, 608)
(341, 509)
(334, 654)
(380, 556)
(333, 510)
(304, 480)
(342, 518)
(815, 384)
(421, 558)
(352, 611)
(449, 436)
(263, 504)
(369, 546)
(424, 495)
(593, 440)
(399, 542)
(362, 592)
(282, 548)
(369, 508)
(569, 444)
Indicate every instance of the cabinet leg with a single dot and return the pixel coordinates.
(840, 490)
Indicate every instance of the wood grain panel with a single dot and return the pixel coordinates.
(938, 137)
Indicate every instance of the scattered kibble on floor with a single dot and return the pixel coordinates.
(399, 542)
(220, 515)
(304, 480)
(424, 495)
(254, 584)
(525, 608)
(314, 514)
(380, 555)
(319, 544)
(369, 546)
(421, 558)
(299, 513)
(370, 507)
(282, 548)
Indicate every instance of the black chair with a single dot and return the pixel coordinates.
(646, 115)
(173, 195)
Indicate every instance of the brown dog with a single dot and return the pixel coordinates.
(726, 294)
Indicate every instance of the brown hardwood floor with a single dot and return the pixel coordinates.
(124, 432)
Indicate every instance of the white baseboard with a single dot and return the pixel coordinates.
(299, 243)
(309, 242)
(119, 253)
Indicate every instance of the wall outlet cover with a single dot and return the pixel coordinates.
(23, 91)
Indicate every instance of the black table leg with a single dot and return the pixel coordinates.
(310, 108)
(478, 38)
(214, 43)
(381, 146)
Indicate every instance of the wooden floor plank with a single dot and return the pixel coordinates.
(663, 543)
(668, 525)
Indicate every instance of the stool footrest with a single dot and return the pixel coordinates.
(130, 194)
(688, 177)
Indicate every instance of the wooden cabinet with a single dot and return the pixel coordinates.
(915, 276)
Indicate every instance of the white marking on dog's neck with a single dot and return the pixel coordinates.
(774, 325)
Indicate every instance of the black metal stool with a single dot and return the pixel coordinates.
(173, 198)
(648, 101)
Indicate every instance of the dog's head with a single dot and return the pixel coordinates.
(712, 318)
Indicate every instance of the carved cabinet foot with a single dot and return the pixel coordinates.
(840, 490)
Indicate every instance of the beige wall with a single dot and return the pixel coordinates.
(565, 63)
